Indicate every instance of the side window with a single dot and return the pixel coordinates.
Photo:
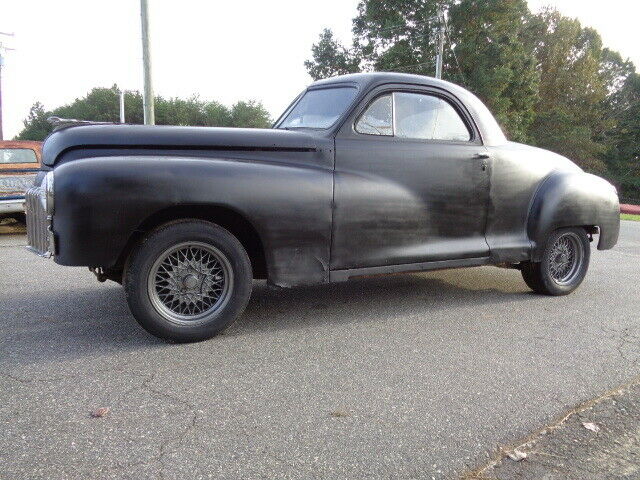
(427, 117)
(377, 119)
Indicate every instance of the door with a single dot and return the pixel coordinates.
(411, 182)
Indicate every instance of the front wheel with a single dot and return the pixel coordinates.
(564, 263)
(188, 280)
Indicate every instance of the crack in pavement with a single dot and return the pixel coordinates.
(163, 449)
(627, 339)
(502, 452)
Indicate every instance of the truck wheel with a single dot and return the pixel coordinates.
(564, 264)
(188, 280)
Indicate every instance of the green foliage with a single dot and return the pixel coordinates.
(330, 58)
(623, 156)
(102, 105)
(397, 35)
(249, 114)
(36, 126)
(569, 110)
(492, 43)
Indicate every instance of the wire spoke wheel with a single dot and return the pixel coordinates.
(190, 281)
(566, 258)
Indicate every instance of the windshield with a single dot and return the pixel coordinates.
(319, 108)
(17, 155)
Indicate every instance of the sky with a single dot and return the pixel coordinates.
(218, 49)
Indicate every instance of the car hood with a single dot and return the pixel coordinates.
(145, 137)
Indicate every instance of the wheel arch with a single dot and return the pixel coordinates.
(573, 199)
(228, 218)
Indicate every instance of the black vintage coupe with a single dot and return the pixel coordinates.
(363, 174)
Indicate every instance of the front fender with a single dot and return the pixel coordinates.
(569, 199)
(100, 202)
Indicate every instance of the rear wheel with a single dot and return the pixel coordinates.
(564, 263)
(188, 281)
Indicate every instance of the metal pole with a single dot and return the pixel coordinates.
(440, 54)
(2, 48)
(149, 114)
(1, 60)
(122, 106)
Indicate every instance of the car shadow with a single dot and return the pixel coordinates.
(375, 298)
(70, 324)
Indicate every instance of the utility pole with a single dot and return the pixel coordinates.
(149, 113)
(2, 49)
(441, 33)
(122, 106)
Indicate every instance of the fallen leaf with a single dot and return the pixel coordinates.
(100, 412)
(517, 455)
(339, 413)
(591, 426)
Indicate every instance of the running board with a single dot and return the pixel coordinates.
(344, 275)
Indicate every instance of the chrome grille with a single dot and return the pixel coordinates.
(37, 222)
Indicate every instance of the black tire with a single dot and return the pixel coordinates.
(166, 315)
(540, 276)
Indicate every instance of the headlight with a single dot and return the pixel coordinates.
(47, 183)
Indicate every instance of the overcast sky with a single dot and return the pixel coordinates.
(223, 50)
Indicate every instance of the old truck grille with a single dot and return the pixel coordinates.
(38, 224)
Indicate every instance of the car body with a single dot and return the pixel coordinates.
(19, 165)
(356, 179)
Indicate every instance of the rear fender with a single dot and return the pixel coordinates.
(573, 199)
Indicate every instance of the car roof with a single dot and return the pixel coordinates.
(489, 129)
(377, 78)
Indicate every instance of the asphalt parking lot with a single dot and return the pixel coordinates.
(414, 376)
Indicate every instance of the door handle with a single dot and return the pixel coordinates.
(484, 157)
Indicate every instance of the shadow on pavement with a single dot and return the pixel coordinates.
(72, 323)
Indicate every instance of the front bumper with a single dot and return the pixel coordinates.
(12, 205)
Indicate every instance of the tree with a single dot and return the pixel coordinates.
(491, 40)
(623, 157)
(573, 90)
(102, 105)
(330, 58)
(36, 126)
(249, 114)
(398, 35)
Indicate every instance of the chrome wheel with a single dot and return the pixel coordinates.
(566, 258)
(190, 281)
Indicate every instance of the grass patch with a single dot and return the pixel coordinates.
(628, 216)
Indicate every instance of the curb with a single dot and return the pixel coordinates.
(631, 209)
